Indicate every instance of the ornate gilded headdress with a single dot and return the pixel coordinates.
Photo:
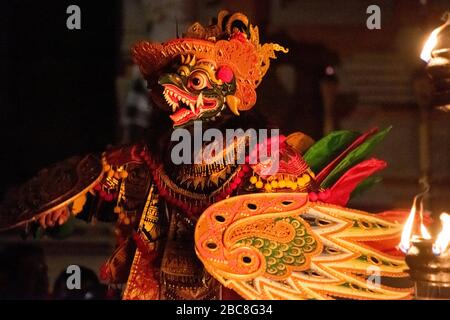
(231, 41)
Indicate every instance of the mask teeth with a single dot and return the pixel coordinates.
(169, 101)
(191, 105)
(199, 102)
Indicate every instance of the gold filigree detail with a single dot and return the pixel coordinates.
(143, 283)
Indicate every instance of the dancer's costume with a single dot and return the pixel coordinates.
(186, 231)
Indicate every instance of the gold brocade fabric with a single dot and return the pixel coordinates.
(180, 275)
(142, 283)
(183, 276)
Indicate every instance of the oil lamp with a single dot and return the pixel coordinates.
(436, 52)
(427, 256)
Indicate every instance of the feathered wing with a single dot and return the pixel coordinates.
(282, 246)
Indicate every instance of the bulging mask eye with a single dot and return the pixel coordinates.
(198, 81)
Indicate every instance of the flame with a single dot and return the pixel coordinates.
(423, 230)
(432, 40)
(408, 229)
(405, 241)
(443, 239)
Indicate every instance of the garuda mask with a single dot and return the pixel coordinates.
(208, 71)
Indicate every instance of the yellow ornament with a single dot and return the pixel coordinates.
(303, 180)
(259, 184)
(78, 204)
(274, 184)
(268, 187)
(282, 184)
(253, 180)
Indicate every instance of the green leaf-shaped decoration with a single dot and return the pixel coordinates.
(327, 148)
(354, 157)
(365, 185)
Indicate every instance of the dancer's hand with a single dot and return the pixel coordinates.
(54, 218)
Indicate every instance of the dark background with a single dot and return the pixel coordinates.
(57, 85)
